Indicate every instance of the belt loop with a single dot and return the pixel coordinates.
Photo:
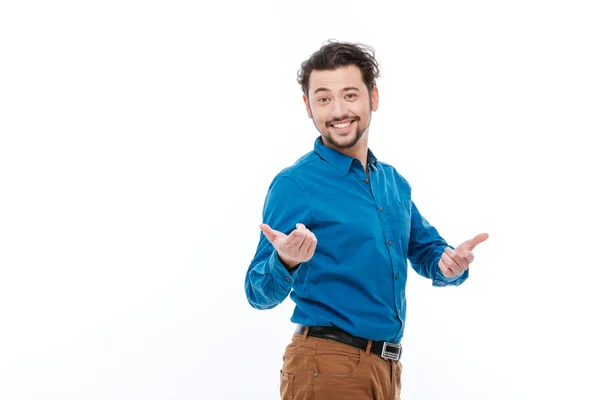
(304, 336)
(369, 347)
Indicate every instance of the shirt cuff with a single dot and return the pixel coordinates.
(279, 272)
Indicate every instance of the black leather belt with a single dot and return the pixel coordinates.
(387, 350)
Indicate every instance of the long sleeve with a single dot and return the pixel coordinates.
(268, 282)
(425, 249)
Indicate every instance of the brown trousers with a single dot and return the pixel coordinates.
(318, 369)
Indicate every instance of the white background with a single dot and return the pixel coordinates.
(138, 140)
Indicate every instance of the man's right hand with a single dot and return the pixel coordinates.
(293, 249)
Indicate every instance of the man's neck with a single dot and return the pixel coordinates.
(359, 151)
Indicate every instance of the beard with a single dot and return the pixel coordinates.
(349, 140)
(343, 142)
(346, 141)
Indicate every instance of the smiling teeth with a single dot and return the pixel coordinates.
(342, 125)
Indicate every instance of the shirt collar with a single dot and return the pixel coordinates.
(339, 160)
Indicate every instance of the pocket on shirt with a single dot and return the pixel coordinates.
(403, 214)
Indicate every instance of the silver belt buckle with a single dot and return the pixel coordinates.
(391, 351)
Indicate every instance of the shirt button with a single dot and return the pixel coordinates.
(380, 208)
(287, 278)
(367, 180)
(396, 276)
(390, 242)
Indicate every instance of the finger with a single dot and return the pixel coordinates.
(457, 258)
(295, 239)
(470, 257)
(304, 242)
(445, 270)
(312, 246)
(450, 264)
(301, 227)
(471, 243)
(269, 232)
(307, 243)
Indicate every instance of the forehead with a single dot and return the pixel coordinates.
(336, 79)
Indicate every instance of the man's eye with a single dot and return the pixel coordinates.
(323, 99)
(351, 94)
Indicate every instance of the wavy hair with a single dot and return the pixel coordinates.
(334, 54)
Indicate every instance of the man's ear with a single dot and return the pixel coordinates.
(374, 99)
(308, 111)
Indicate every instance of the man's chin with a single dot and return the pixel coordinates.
(342, 144)
(343, 141)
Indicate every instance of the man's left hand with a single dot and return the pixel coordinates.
(455, 262)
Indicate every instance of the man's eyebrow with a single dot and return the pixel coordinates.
(324, 89)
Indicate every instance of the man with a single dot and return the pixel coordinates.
(349, 287)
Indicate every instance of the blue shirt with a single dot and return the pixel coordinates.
(367, 227)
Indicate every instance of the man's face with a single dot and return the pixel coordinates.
(340, 106)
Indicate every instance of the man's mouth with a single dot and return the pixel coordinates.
(342, 127)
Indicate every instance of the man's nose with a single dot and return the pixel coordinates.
(339, 109)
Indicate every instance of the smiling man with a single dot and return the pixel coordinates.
(339, 227)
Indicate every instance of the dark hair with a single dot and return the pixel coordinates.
(336, 54)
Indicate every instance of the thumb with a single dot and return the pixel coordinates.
(269, 232)
(471, 243)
